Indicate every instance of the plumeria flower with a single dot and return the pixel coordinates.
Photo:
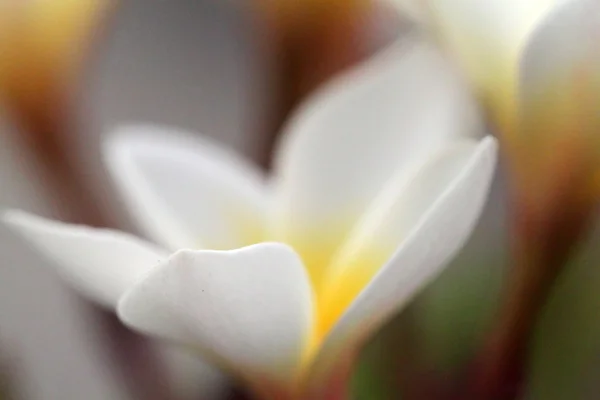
(378, 182)
(536, 66)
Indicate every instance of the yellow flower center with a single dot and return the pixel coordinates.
(335, 292)
(337, 273)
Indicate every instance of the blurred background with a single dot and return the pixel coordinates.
(233, 71)
(191, 65)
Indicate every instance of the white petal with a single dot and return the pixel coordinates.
(186, 192)
(487, 36)
(401, 205)
(392, 216)
(250, 309)
(560, 71)
(351, 138)
(480, 27)
(564, 39)
(427, 249)
(100, 263)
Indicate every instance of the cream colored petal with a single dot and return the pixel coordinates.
(398, 209)
(429, 245)
(374, 122)
(99, 263)
(249, 309)
(560, 77)
(186, 192)
(487, 37)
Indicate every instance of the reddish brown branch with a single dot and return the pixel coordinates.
(548, 223)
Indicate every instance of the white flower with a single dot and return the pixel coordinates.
(378, 183)
(536, 64)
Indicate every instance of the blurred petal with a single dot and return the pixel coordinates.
(393, 215)
(250, 309)
(487, 37)
(560, 77)
(428, 247)
(100, 263)
(375, 122)
(186, 192)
